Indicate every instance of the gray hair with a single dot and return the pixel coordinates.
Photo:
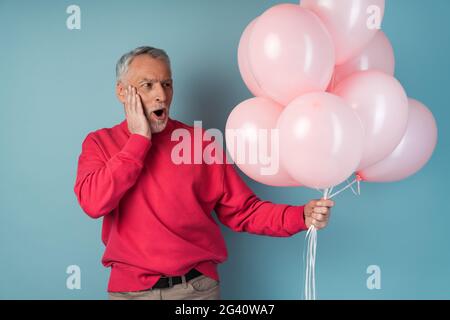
(127, 58)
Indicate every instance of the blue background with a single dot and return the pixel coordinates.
(57, 85)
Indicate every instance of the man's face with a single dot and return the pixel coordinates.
(152, 79)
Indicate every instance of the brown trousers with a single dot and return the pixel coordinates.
(199, 288)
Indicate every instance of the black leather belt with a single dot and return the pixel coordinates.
(167, 282)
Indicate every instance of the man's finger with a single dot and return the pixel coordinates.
(313, 203)
(128, 98)
(320, 217)
(125, 101)
(133, 99)
(320, 209)
(321, 225)
(325, 203)
(139, 107)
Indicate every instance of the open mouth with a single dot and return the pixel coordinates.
(159, 114)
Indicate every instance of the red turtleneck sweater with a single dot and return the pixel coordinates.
(157, 215)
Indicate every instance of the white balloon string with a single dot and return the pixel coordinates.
(306, 264)
(310, 252)
(330, 191)
(343, 189)
(305, 270)
(353, 190)
(311, 243)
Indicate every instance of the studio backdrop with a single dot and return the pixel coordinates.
(57, 67)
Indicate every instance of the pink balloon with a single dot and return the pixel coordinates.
(244, 65)
(321, 140)
(253, 123)
(377, 55)
(382, 105)
(290, 53)
(351, 23)
(413, 152)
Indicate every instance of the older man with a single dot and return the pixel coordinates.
(161, 239)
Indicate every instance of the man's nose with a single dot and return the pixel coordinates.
(160, 93)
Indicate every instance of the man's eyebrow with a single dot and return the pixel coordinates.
(154, 80)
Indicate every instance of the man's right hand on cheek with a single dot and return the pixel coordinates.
(134, 112)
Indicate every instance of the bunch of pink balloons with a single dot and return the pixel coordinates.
(322, 73)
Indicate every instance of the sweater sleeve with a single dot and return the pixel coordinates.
(100, 184)
(241, 210)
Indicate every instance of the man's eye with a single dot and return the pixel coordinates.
(147, 85)
(168, 85)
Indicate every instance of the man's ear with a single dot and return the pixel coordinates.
(120, 92)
